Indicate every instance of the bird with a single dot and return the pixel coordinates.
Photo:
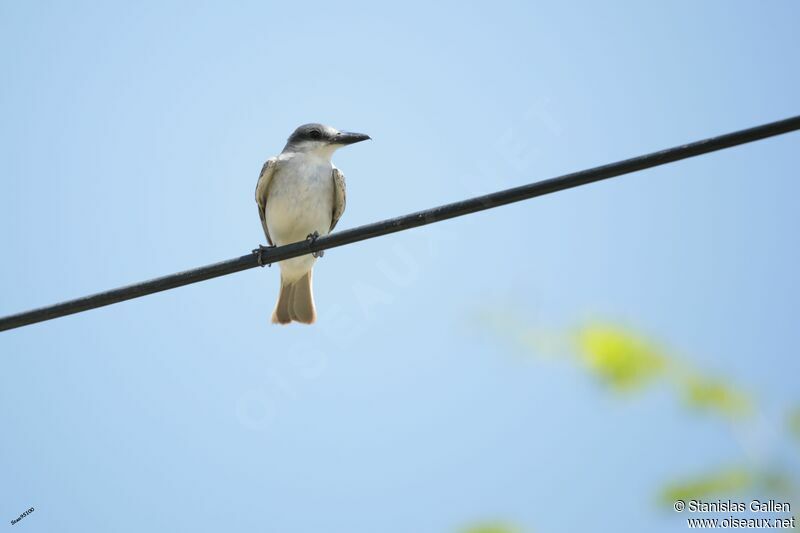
(301, 195)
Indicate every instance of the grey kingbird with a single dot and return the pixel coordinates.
(301, 195)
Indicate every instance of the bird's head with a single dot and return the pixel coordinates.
(321, 139)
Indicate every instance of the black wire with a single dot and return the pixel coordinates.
(392, 225)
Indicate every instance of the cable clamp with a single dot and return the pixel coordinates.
(260, 255)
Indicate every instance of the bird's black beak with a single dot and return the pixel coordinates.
(346, 137)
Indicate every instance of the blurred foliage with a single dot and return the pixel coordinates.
(626, 361)
(539, 342)
(491, 528)
(794, 423)
(777, 483)
(621, 359)
(715, 395)
(727, 481)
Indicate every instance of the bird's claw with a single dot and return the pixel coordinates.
(311, 238)
(260, 255)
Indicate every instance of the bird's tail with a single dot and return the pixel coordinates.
(295, 302)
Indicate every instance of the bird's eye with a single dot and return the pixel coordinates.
(315, 134)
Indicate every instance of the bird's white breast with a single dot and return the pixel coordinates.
(300, 198)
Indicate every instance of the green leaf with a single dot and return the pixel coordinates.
(720, 483)
(621, 359)
(715, 395)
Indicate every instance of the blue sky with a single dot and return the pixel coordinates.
(130, 142)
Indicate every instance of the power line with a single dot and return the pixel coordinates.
(392, 225)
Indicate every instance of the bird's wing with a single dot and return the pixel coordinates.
(262, 187)
(339, 196)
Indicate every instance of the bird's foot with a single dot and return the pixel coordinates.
(260, 254)
(311, 238)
